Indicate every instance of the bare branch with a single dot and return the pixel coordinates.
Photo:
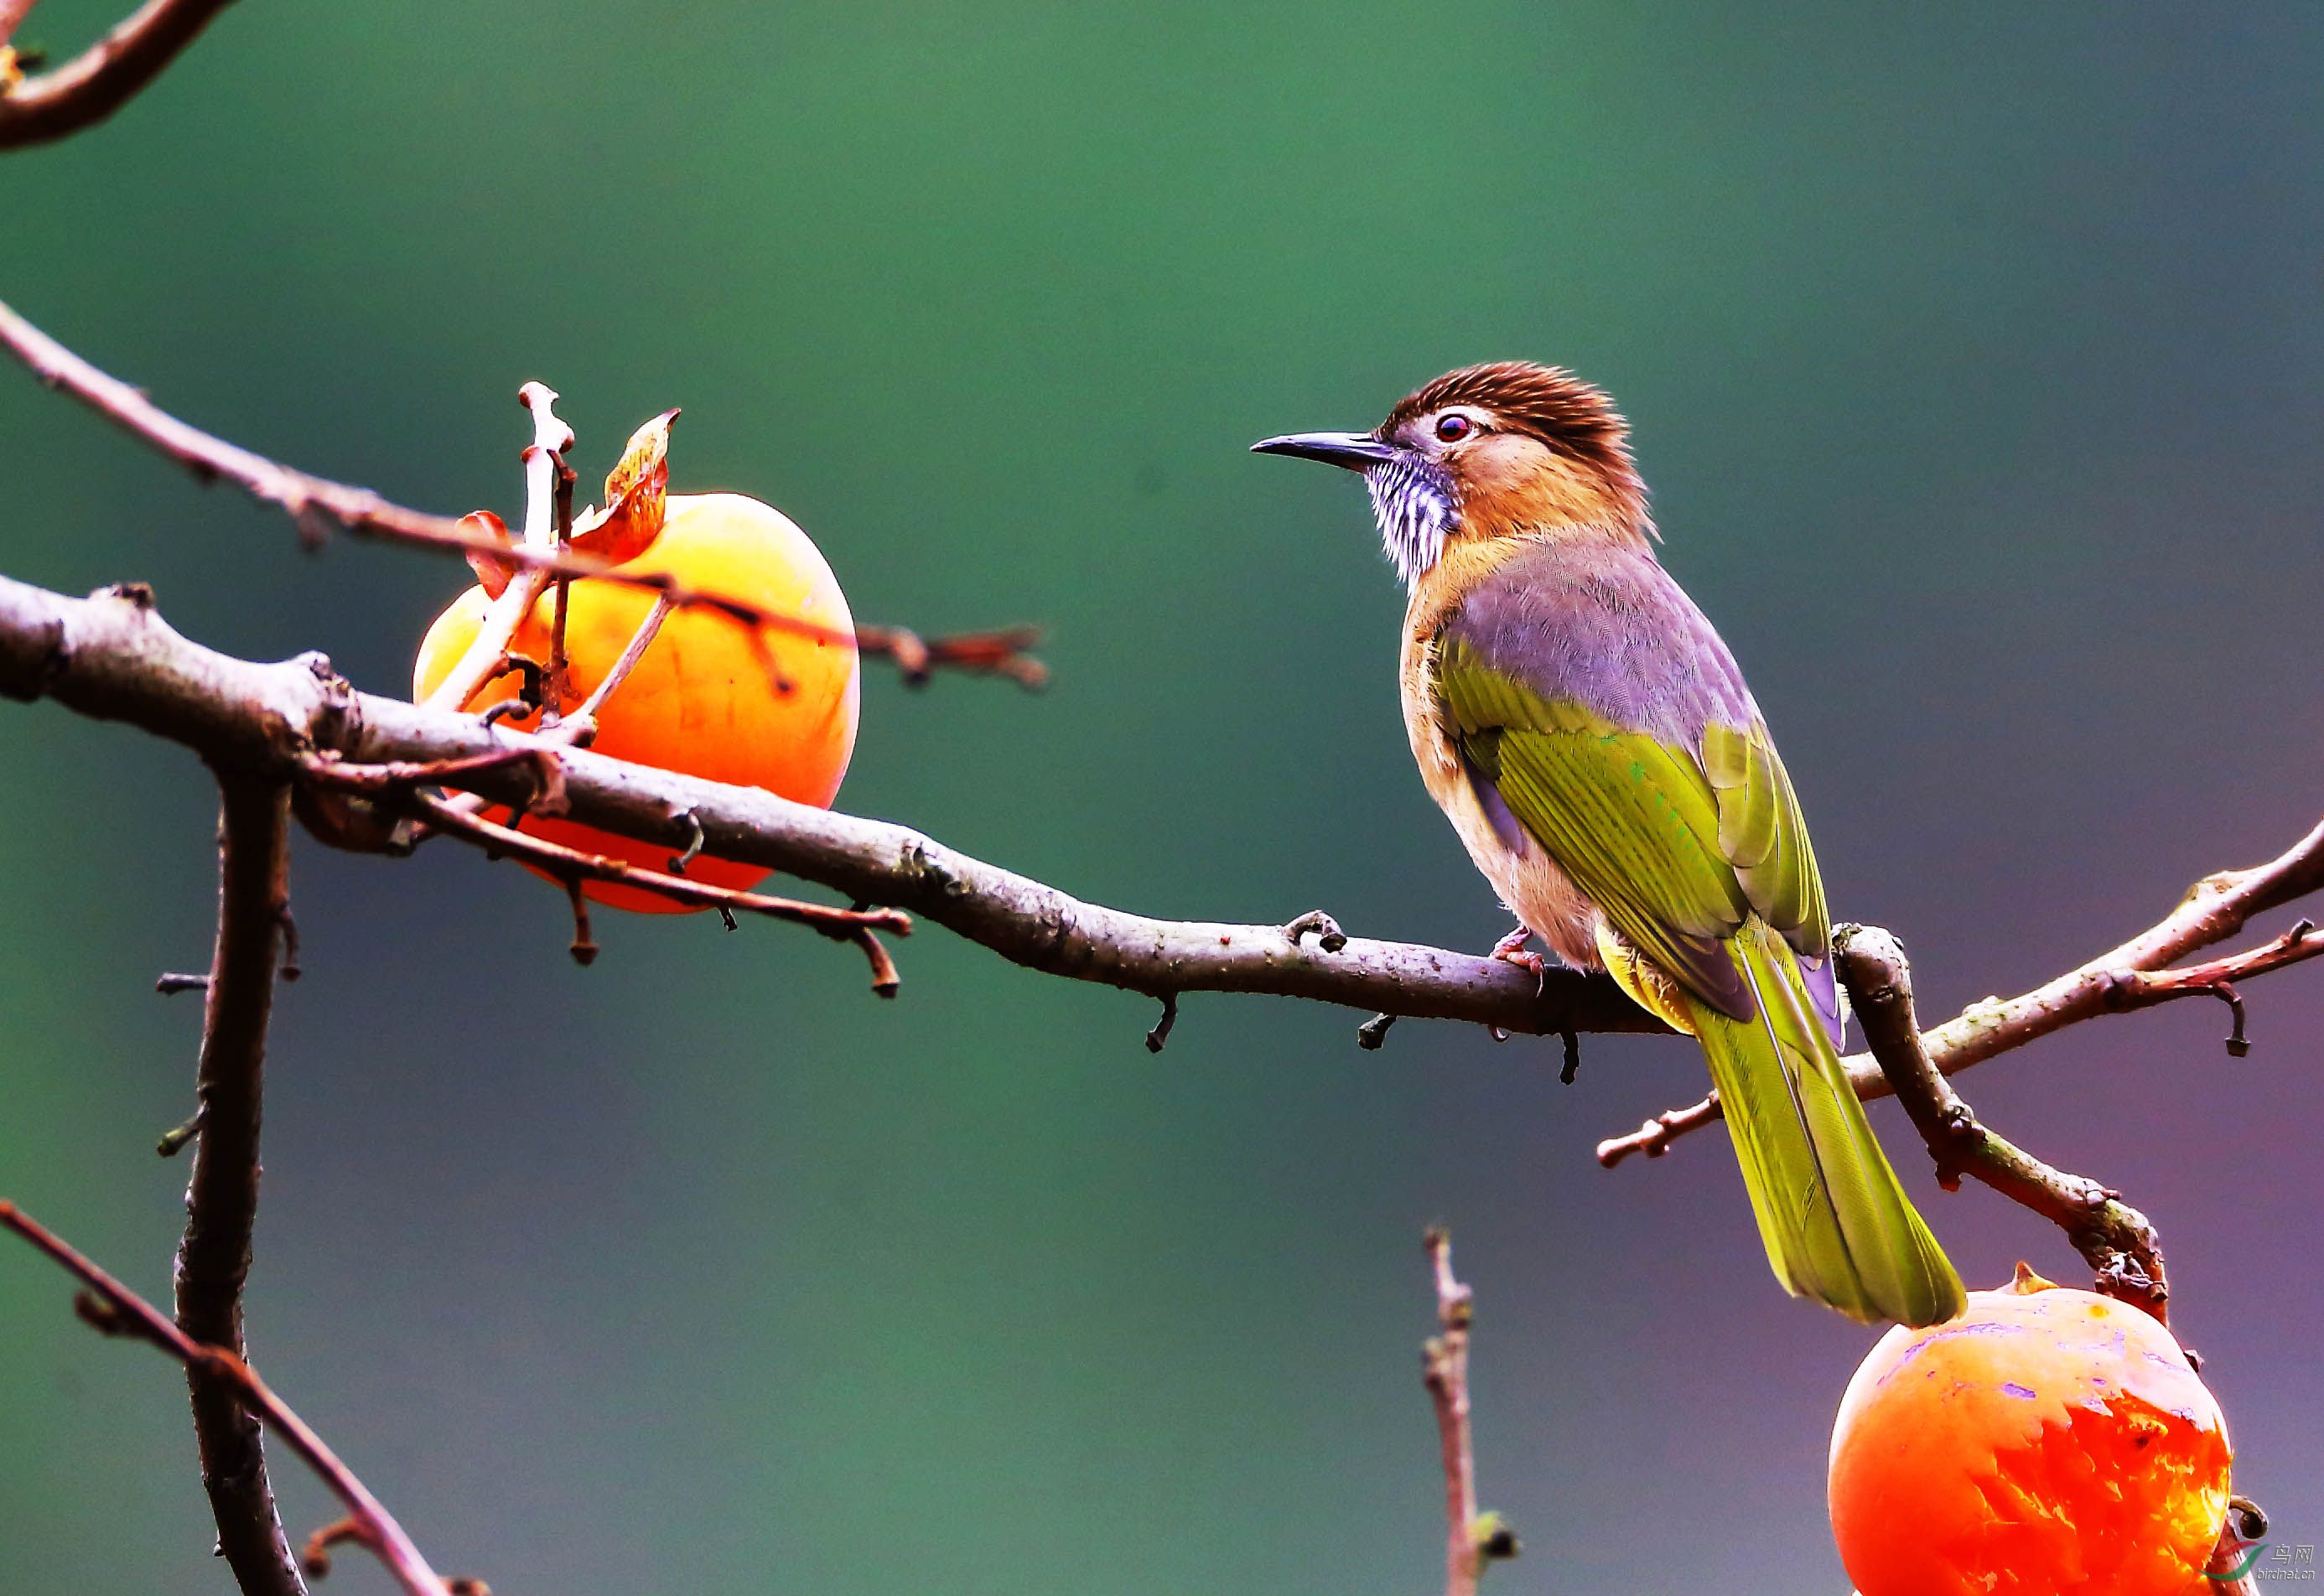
(580, 727)
(113, 658)
(105, 76)
(1472, 1539)
(221, 1191)
(2135, 975)
(311, 501)
(2115, 1240)
(116, 1310)
(572, 866)
(482, 660)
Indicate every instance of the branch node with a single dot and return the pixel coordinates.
(1373, 1032)
(1573, 1064)
(1327, 932)
(693, 849)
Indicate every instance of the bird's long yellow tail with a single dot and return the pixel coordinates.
(1837, 1225)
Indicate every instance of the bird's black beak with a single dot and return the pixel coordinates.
(1351, 451)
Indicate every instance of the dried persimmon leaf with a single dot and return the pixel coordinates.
(637, 493)
(493, 575)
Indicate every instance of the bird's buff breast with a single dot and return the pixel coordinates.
(1531, 885)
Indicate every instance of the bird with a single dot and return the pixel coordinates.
(1589, 735)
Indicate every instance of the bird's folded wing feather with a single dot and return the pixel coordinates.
(1678, 844)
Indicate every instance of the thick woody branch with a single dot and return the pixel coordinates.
(316, 503)
(113, 1309)
(1472, 1539)
(2115, 1240)
(2135, 975)
(111, 657)
(105, 76)
(221, 1191)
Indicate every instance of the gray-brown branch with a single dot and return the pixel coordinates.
(105, 76)
(2117, 1241)
(112, 657)
(222, 1191)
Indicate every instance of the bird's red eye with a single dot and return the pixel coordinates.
(1451, 428)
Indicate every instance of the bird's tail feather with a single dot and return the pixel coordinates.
(1838, 1226)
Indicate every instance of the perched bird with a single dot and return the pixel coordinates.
(1587, 735)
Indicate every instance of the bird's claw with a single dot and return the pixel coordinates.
(1511, 950)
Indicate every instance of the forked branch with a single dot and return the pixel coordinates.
(2114, 1239)
(2137, 975)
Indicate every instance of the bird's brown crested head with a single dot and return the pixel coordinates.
(1505, 449)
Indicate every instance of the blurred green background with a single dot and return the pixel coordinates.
(1973, 354)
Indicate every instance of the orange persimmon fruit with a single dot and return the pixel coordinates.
(705, 698)
(2049, 1441)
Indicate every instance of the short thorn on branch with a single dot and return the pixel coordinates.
(1472, 1539)
(1159, 1037)
(1373, 1033)
(170, 981)
(172, 1142)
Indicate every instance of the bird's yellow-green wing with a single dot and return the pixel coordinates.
(1700, 861)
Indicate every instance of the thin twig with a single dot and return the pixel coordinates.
(572, 866)
(1471, 1539)
(120, 1311)
(555, 678)
(311, 501)
(2135, 975)
(105, 76)
(580, 727)
(222, 1189)
(484, 658)
(2115, 1240)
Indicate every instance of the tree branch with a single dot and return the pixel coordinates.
(2135, 975)
(111, 657)
(572, 865)
(105, 76)
(1471, 1539)
(113, 1309)
(2115, 1240)
(313, 503)
(222, 1191)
